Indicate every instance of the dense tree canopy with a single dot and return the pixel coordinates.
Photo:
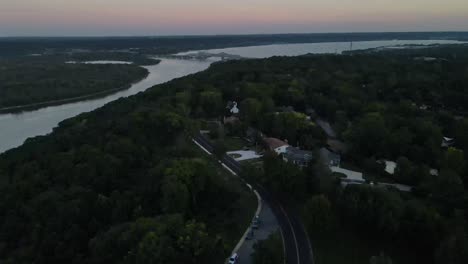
(123, 182)
(27, 82)
(384, 106)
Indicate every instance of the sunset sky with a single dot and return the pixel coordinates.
(179, 17)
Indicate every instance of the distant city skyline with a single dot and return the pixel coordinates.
(210, 17)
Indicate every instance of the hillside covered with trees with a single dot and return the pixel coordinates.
(124, 183)
(384, 107)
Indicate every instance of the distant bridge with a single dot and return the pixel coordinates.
(201, 55)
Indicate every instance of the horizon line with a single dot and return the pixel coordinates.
(227, 34)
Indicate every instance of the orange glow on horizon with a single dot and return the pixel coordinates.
(222, 16)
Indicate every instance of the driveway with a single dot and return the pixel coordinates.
(244, 155)
(350, 175)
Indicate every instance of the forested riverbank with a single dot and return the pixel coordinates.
(127, 186)
(28, 84)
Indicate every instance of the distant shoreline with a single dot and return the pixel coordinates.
(163, 45)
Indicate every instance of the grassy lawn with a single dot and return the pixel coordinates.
(233, 144)
(346, 246)
(257, 163)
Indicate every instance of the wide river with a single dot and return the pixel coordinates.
(16, 128)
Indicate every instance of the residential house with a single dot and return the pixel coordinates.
(298, 157)
(276, 145)
(447, 142)
(390, 166)
(232, 107)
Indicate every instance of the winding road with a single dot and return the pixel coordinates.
(298, 249)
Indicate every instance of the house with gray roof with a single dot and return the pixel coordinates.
(297, 156)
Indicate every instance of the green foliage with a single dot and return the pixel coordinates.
(211, 103)
(404, 171)
(454, 159)
(368, 135)
(380, 215)
(318, 214)
(101, 189)
(381, 259)
(292, 126)
(453, 249)
(168, 239)
(23, 83)
(177, 242)
(283, 177)
(250, 110)
(448, 188)
(378, 210)
(384, 107)
(184, 182)
(461, 134)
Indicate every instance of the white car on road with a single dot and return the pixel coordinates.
(233, 259)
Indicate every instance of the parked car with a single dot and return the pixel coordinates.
(250, 234)
(256, 222)
(233, 259)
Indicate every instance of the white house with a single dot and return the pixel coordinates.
(234, 109)
(447, 142)
(390, 166)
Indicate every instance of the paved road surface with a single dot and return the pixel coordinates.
(268, 226)
(296, 242)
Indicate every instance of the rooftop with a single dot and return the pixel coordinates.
(326, 127)
(275, 143)
(295, 153)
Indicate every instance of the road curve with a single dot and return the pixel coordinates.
(296, 242)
